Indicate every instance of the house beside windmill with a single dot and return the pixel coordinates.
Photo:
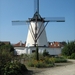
(54, 48)
(19, 48)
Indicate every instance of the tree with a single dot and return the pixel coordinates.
(45, 53)
(6, 53)
(69, 48)
(6, 66)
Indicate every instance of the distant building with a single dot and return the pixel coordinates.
(19, 44)
(54, 48)
(5, 42)
(55, 45)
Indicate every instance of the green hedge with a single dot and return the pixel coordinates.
(60, 60)
(72, 56)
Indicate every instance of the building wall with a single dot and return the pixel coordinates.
(23, 50)
(19, 50)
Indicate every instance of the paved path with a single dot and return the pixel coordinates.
(60, 70)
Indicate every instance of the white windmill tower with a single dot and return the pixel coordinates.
(36, 32)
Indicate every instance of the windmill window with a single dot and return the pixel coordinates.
(33, 51)
(44, 45)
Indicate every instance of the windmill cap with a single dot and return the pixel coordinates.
(37, 17)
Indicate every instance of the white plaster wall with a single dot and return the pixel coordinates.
(42, 39)
(19, 50)
(52, 51)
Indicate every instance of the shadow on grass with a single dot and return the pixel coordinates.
(29, 72)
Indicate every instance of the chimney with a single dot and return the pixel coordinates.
(20, 43)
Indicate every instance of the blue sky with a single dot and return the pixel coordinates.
(23, 9)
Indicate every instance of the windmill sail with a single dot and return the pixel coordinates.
(37, 24)
(18, 22)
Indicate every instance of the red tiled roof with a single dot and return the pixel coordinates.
(55, 45)
(19, 45)
(51, 44)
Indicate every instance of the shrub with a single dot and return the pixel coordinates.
(41, 57)
(30, 64)
(52, 60)
(50, 65)
(45, 53)
(13, 69)
(69, 48)
(72, 56)
(39, 64)
(60, 60)
(47, 62)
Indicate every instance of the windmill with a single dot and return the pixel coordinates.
(36, 33)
